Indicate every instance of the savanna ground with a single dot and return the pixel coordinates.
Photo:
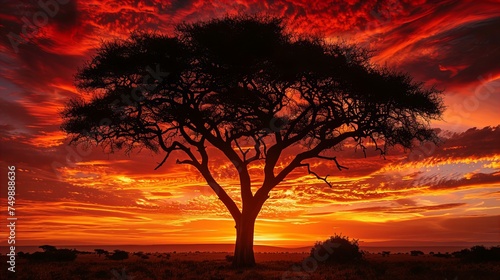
(214, 266)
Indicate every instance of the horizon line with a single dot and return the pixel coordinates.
(291, 246)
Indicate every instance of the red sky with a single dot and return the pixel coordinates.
(449, 193)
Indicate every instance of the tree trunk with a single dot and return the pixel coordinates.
(243, 251)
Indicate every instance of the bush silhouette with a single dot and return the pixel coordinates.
(479, 254)
(53, 254)
(441, 255)
(385, 253)
(416, 253)
(118, 255)
(140, 254)
(48, 248)
(461, 254)
(337, 249)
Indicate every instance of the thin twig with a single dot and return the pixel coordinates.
(316, 174)
(163, 161)
(334, 159)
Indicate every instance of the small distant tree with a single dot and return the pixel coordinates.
(337, 249)
(100, 252)
(251, 90)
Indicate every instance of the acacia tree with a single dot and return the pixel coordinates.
(250, 89)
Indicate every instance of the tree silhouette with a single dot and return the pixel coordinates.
(250, 89)
(100, 252)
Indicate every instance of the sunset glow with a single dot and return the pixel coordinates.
(79, 195)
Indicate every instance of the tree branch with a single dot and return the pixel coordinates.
(334, 159)
(257, 150)
(243, 153)
(163, 161)
(316, 174)
(178, 146)
(269, 184)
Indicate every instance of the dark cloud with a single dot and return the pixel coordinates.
(475, 142)
(14, 116)
(38, 69)
(31, 20)
(461, 55)
(473, 180)
(68, 17)
(177, 5)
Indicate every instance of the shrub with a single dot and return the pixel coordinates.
(48, 248)
(439, 255)
(83, 252)
(461, 253)
(337, 249)
(416, 253)
(479, 254)
(118, 255)
(56, 255)
(139, 254)
(100, 252)
(64, 255)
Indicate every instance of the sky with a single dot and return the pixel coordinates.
(434, 194)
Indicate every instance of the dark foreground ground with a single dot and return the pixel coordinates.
(214, 266)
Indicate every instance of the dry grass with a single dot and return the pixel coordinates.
(213, 266)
